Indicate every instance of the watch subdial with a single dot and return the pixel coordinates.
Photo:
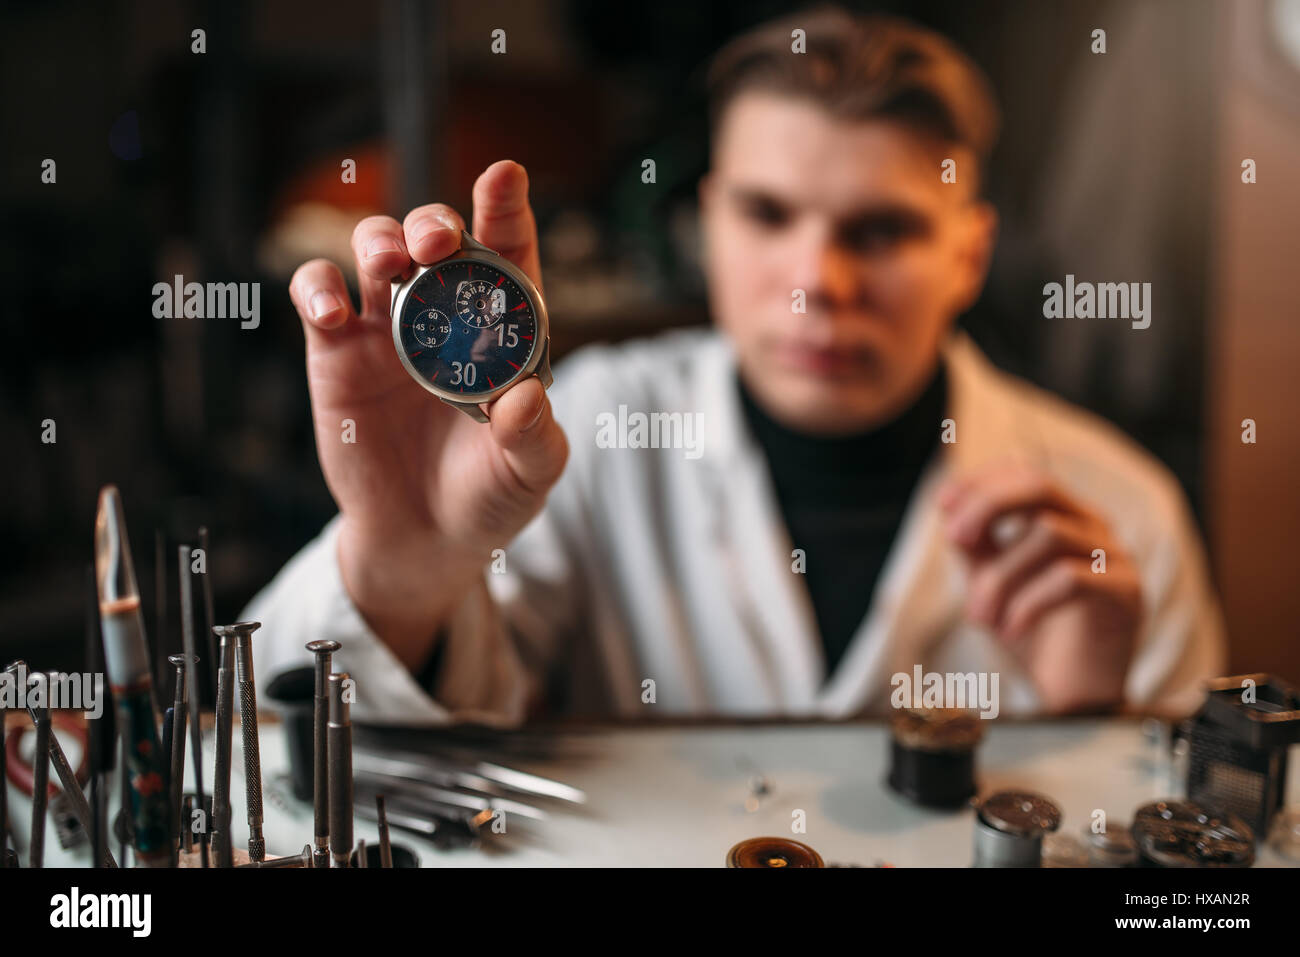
(480, 304)
(431, 328)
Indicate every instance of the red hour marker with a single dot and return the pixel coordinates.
(422, 302)
(440, 279)
(500, 281)
(414, 354)
(529, 338)
(491, 384)
(520, 306)
(512, 365)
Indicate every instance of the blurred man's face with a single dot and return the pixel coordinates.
(854, 214)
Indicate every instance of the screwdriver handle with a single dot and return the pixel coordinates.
(252, 769)
(221, 845)
(340, 768)
(40, 791)
(321, 779)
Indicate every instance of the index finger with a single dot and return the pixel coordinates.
(503, 217)
(432, 232)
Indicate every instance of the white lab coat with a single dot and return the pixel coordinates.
(652, 565)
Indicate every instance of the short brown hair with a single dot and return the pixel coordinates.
(862, 67)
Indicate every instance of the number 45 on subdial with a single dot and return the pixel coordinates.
(431, 328)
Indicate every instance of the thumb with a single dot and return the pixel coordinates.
(526, 431)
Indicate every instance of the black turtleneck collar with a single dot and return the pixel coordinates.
(900, 447)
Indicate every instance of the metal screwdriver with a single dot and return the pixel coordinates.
(192, 690)
(340, 770)
(187, 835)
(248, 725)
(323, 650)
(40, 779)
(178, 750)
(301, 859)
(222, 848)
(385, 843)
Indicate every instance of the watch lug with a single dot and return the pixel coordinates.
(469, 242)
(544, 367)
(473, 411)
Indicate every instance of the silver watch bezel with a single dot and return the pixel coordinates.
(472, 249)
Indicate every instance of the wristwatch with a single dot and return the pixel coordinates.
(470, 326)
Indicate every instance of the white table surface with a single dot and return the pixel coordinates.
(675, 795)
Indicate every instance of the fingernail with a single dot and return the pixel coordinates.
(434, 230)
(323, 303)
(537, 418)
(382, 244)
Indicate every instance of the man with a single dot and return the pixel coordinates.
(868, 495)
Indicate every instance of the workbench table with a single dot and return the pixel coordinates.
(667, 795)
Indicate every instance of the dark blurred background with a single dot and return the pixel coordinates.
(225, 167)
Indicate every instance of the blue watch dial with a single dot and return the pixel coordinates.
(467, 327)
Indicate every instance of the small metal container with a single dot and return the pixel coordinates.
(933, 755)
(1183, 834)
(773, 852)
(1009, 829)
